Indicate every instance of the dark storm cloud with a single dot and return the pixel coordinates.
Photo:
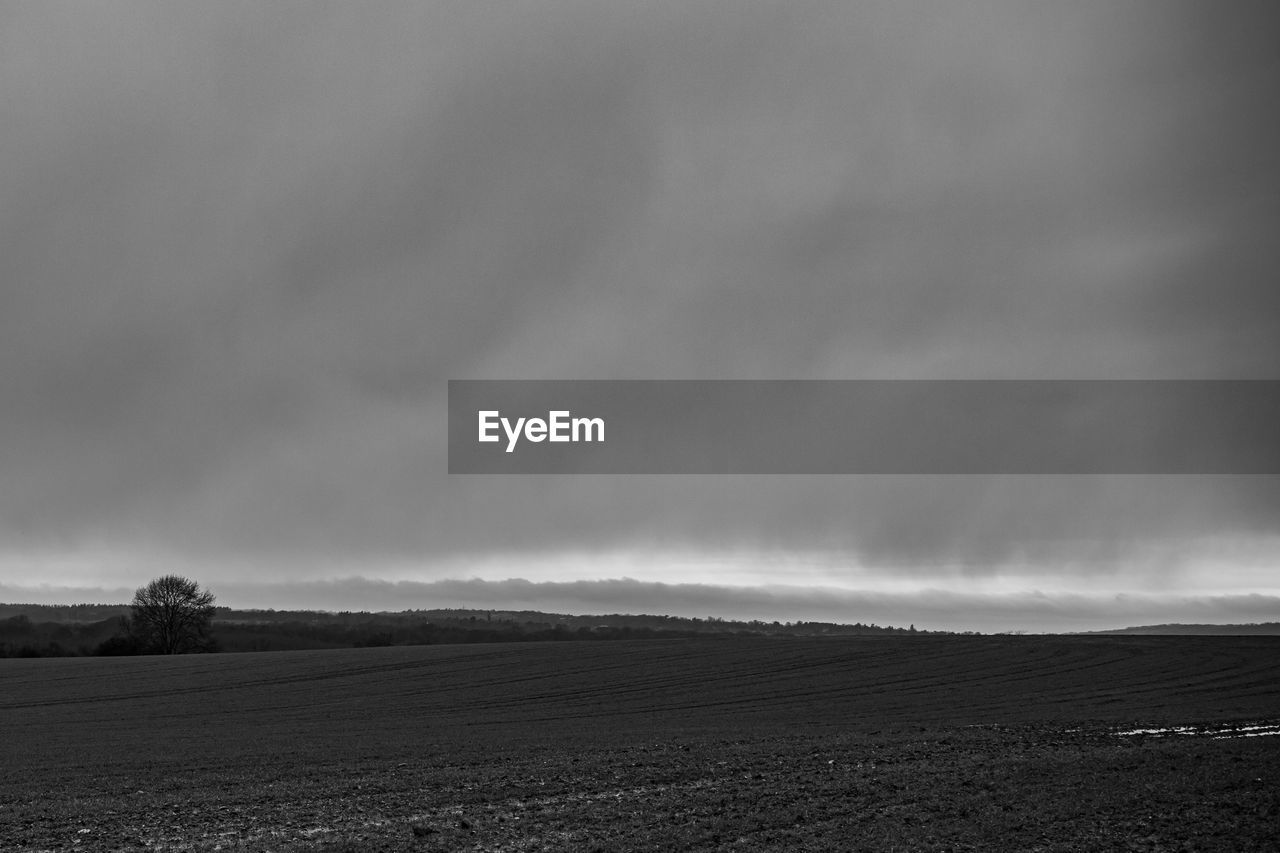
(242, 247)
(247, 235)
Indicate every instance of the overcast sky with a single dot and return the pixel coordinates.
(243, 247)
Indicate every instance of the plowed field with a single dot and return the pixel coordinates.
(886, 743)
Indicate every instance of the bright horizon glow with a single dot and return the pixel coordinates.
(728, 585)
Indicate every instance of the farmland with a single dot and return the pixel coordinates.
(867, 743)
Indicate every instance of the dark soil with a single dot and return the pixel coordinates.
(983, 744)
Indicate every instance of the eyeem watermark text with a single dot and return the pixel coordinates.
(558, 426)
(880, 427)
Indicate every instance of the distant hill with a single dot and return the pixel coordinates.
(1249, 630)
(36, 630)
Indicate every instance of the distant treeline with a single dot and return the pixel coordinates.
(33, 630)
(23, 636)
(1250, 630)
(64, 612)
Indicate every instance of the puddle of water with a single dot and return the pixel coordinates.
(1250, 731)
(1217, 733)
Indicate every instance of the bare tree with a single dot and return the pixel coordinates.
(171, 616)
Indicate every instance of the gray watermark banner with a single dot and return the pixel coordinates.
(864, 427)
